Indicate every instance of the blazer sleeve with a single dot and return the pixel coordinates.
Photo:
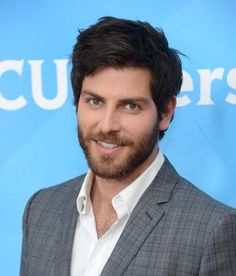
(25, 226)
(219, 256)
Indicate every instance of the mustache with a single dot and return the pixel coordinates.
(111, 138)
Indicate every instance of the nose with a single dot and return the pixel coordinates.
(109, 121)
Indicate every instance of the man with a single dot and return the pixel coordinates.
(132, 214)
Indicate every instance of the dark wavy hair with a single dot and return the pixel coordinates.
(122, 43)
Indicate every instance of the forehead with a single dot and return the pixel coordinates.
(119, 83)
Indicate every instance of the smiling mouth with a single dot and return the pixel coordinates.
(107, 145)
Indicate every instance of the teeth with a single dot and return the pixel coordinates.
(107, 146)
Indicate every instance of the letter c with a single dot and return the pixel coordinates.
(16, 66)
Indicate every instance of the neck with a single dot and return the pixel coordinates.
(103, 190)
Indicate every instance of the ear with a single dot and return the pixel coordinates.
(167, 116)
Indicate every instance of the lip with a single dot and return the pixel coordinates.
(107, 145)
(108, 148)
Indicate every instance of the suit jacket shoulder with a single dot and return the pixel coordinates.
(59, 191)
(48, 225)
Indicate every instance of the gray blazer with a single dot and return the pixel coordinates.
(175, 229)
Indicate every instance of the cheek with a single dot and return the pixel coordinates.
(140, 126)
(87, 123)
(82, 123)
(83, 116)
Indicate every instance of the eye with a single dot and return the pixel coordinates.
(94, 101)
(132, 106)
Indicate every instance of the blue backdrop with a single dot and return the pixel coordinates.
(38, 142)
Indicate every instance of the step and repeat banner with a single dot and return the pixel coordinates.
(38, 140)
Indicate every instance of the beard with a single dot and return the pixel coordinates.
(112, 167)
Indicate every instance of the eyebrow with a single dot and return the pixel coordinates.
(91, 94)
(139, 99)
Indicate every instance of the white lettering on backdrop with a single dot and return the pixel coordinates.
(206, 78)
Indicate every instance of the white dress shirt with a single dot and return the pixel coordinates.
(90, 254)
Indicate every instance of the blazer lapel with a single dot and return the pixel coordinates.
(68, 223)
(146, 215)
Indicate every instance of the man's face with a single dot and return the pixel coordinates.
(118, 122)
